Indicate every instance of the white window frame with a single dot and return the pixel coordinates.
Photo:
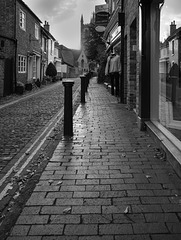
(22, 20)
(51, 47)
(22, 63)
(36, 31)
(173, 47)
(34, 68)
(44, 44)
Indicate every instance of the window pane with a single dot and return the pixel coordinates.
(36, 31)
(21, 64)
(169, 67)
(22, 19)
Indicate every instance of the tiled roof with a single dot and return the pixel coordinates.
(67, 56)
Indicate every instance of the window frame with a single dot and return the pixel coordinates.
(22, 19)
(37, 35)
(173, 47)
(22, 63)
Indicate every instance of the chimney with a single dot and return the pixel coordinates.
(47, 26)
(172, 27)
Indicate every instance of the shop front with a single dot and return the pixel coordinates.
(160, 110)
(149, 38)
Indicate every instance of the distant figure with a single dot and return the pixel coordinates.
(113, 69)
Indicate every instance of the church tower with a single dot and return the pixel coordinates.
(84, 33)
(82, 60)
(81, 31)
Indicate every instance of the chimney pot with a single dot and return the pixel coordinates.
(172, 27)
(47, 26)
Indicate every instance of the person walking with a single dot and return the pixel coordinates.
(113, 69)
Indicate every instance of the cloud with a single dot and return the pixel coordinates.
(64, 17)
(169, 12)
(54, 10)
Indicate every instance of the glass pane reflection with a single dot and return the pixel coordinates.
(170, 67)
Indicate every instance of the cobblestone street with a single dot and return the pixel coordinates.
(21, 121)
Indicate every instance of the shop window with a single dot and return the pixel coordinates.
(170, 70)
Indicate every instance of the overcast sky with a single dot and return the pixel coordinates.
(171, 11)
(64, 17)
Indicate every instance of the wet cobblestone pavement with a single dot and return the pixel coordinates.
(107, 182)
(21, 121)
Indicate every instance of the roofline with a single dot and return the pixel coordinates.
(24, 4)
(49, 34)
(175, 33)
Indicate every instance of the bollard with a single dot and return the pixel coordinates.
(86, 82)
(83, 80)
(68, 109)
(89, 77)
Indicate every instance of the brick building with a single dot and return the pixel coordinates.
(21, 30)
(8, 46)
(26, 47)
(135, 28)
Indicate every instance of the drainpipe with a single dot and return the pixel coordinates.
(121, 22)
(15, 57)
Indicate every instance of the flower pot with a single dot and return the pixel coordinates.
(28, 86)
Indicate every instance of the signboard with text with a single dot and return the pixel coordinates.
(101, 15)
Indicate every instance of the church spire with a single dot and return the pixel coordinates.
(82, 19)
(81, 31)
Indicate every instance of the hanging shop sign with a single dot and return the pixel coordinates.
(101, 15)
(100, 29)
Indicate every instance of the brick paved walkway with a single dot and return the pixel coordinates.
(109, 182)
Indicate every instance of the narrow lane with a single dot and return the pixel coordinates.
(30, 129)
(22, 120)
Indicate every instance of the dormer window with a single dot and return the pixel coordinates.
(22, 20)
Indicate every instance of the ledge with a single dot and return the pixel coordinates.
(168, 142)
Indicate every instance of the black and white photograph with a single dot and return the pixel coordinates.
(90, 119)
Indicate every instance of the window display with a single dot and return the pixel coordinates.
(170, 67)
